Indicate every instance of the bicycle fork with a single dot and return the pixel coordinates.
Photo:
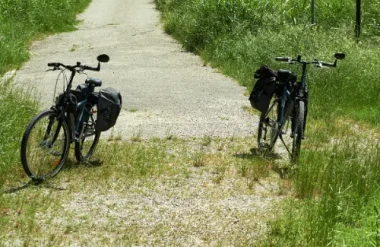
(287, 109)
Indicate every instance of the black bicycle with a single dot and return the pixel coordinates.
(287, 110)
(47, 138)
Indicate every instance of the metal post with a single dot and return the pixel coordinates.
(358, 18)
(312, 12)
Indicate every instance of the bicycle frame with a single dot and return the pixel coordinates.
(47, 138)
(286, 97)
(62, 107)
(83, 114)
(300, 94)
(74, 123)
(291, 104)
(288, 102)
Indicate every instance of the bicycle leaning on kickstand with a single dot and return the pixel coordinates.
(284, 115)
(78, 116)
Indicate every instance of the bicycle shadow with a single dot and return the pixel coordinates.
(32, 182)
(74, 164)
(257, 153)
(47, 183)
(272, 158)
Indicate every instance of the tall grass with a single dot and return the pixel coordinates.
(337, 188)
(16, 110)
(197, 23)
(21, 21)
(337, 183)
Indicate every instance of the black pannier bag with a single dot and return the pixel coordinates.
(264, 88)
(109, 106)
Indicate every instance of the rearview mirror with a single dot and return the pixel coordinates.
(103, 58)
(339, 55)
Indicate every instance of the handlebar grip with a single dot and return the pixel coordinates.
(282, 59)
(53, 64)
(91, 68)
(328, 64)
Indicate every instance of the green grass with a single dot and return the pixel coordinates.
(336, 187)
(23, 21)
(16, 110)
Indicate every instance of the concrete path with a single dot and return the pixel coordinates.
(166, 91)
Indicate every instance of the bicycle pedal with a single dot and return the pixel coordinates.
(89, 129)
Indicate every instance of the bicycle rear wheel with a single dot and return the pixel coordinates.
(298, 132)
(86, 145)
(267, 133)
(45, 145)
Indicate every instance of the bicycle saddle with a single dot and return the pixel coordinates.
(284, 75)
(94, 82)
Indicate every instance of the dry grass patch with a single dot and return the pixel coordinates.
(147, 193)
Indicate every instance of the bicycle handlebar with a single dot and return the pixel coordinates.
(298, 60)
(283, 59)
(54, 64)
(75, 67)
(328, 64)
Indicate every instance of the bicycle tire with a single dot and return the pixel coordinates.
(86, 145)
(268, 123)
(45, 145)
(298, 132)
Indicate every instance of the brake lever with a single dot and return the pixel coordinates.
(318, 63)
(80, 69)
(53, 69)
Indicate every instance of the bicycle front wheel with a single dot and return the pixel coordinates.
(267, 133)
(45, 145)
(88, 139)
(298, 132)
